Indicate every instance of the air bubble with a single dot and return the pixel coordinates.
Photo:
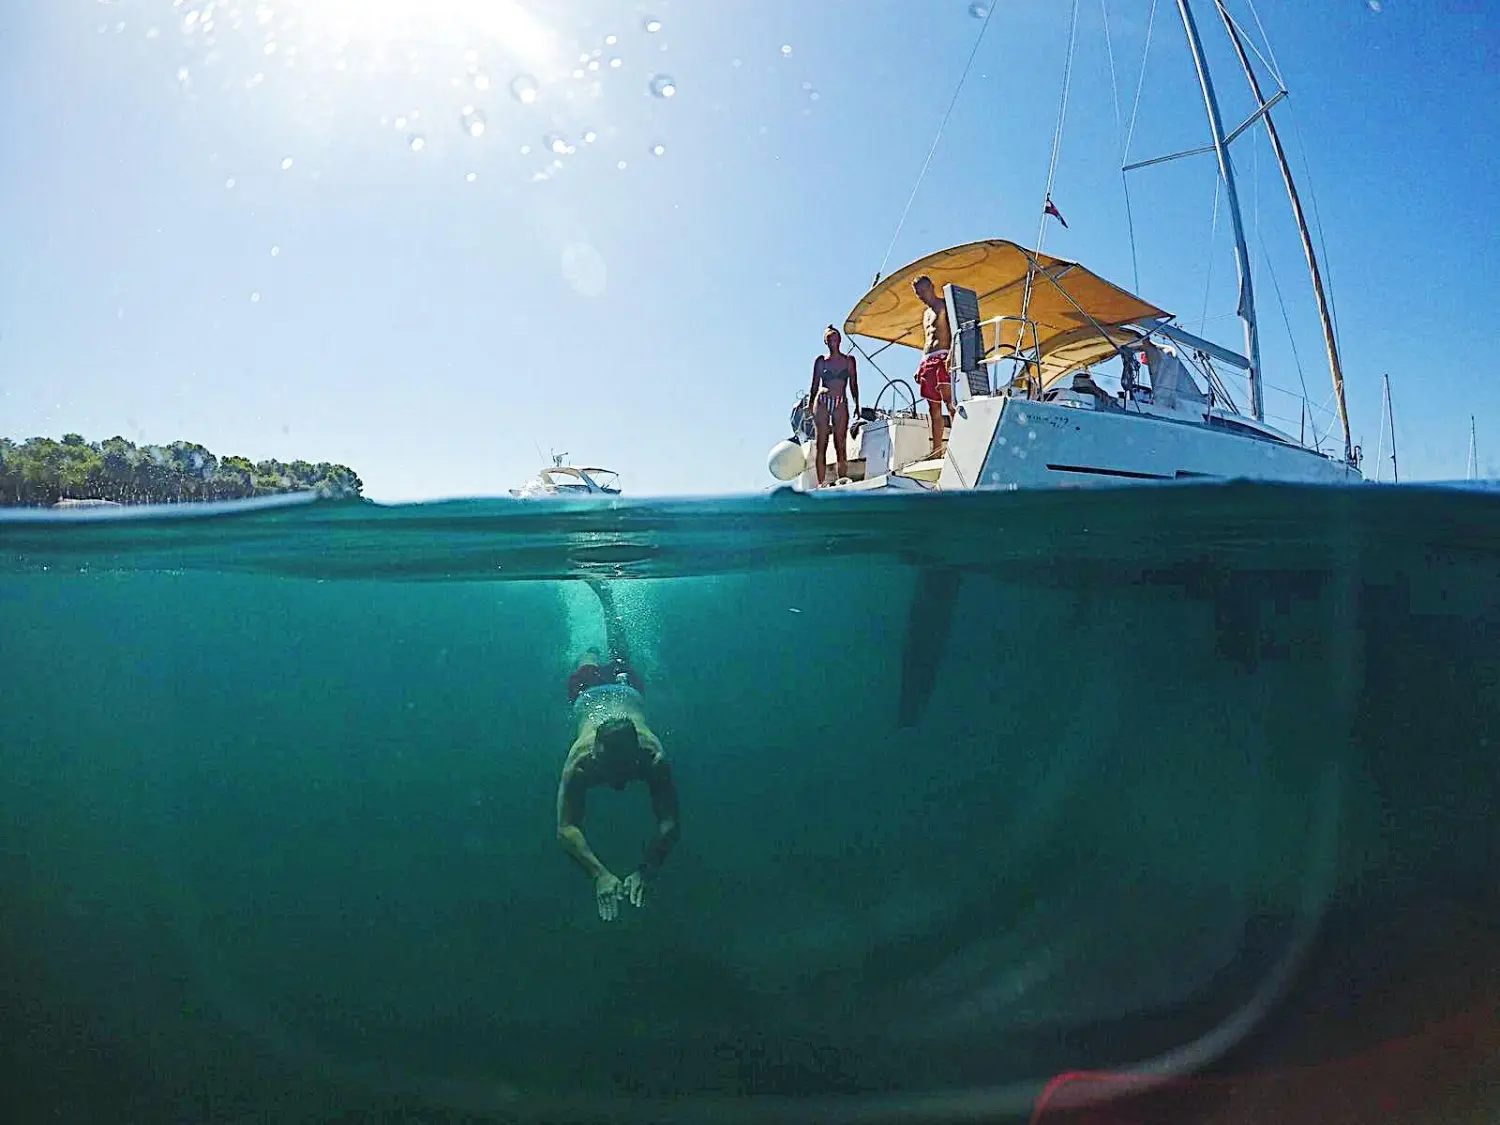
(255, 298)
(620, 164)
(522, 88)
(416, 142)
(786, 50)
(610, 40)
(286, 162)
(229, 183)
(525, 150)
(615, 63)
(657, 150)
(399, 123)
(590, 137)
(979, 11)
(482, 82)
(663, 86)
(276, 251)
(470, 178)
(557, 144)
(651, 25)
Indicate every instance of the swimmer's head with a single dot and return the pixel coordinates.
(617, 740)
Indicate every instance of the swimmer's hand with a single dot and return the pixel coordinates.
(607, 893)
(635, 887)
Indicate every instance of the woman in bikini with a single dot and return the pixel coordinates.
(832, 375)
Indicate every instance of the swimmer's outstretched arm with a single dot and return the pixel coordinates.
(570, 791)
(664, 808)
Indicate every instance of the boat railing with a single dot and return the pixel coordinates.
(1025, 358)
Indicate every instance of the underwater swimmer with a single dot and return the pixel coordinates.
(613, 746)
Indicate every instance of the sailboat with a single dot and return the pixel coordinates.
(1387, 418)
(1063, 379)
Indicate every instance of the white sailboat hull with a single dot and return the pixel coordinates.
(1015, 443)
(1000, 444)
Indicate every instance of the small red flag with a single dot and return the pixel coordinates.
(1052, 210)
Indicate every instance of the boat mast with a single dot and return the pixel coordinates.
(1335, 367)
(1226, 170)
(1390, 413)
(1473, 451)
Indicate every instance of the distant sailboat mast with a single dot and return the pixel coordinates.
(1473, 452)
(1390, 415)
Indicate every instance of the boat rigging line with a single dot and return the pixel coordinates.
(1335, 366)
(942, 125)
(1135, 109)
(1057, 134)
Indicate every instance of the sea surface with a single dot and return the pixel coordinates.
(977, 791)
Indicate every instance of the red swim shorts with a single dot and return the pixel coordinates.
(932, 376)
(592, 675)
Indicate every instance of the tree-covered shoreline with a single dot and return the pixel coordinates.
(41, 471)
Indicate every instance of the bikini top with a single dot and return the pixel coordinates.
(833, 379)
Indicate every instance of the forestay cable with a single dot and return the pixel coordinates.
(1062, 113)
(942, 125)
(1057, 133)
(1135, 109)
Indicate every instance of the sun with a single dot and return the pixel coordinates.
(508, 24)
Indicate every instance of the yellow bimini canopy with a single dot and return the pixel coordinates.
(1069, 304)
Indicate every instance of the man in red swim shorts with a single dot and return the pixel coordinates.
(932, 376)
(614, 747)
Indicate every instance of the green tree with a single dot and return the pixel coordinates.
(41, 471)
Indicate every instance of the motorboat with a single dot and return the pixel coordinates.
(560, 480)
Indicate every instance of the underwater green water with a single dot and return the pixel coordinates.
(975, 790)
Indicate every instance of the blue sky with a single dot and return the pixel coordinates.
(370, 303)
